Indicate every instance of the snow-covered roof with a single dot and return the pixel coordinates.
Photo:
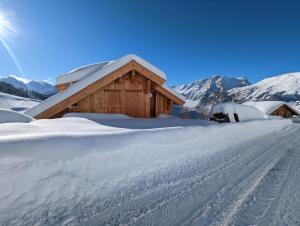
(244, 112)
(267, 107)
(97, 68)
(93, 77)
(81, 72)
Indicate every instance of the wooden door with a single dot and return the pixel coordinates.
(153, 104)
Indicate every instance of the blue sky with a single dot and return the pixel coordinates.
(188, 40)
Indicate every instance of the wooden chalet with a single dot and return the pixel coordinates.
(274, 108)
(129, 85)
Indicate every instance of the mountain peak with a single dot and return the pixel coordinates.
(217, 89)
(13, 84)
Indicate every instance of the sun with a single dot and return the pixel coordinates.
(6, 27)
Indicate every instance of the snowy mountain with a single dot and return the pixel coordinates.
(203, 94)
(26, 88)
(284, 87)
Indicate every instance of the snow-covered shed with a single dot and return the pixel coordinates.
(129, 85)
(232, 112)
(274, 108)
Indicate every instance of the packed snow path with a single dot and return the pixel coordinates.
(183, 173)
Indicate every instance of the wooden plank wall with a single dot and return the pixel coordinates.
(128, 95)
(163, 104)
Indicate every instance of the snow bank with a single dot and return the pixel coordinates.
(245, 113)
(97, 116)
(8, 116)
(64, 171)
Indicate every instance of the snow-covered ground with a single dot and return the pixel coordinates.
(16, 103)
(167, 171)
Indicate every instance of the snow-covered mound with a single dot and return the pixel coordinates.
(16, 103)
(296, 105)
(26, 88)
(207, 92)
(97, 116)
(244, 112)
(73, 171)
(8, 116)
(284, 87)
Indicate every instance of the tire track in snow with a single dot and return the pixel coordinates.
(176, 194)
(220, 210)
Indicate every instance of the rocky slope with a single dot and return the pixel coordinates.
(203, 94)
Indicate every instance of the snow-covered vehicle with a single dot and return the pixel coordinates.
(9, 116)
(232, 112)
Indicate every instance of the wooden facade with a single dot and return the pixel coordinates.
(131, 95)
(132, 90)
(284, 111)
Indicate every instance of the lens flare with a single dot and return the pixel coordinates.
(8, 32)
(6, 27)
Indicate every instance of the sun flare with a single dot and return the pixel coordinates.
(6, 26)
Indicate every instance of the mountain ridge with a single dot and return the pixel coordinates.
(284, 87)
(26, 88)
(209, 91)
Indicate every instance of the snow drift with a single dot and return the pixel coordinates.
(8, 116)
(74, 171)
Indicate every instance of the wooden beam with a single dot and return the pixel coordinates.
(148, 86)
(62, 87)
(132, 76)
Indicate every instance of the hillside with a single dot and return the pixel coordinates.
(26, 88)
(16, 103)
(284, 87)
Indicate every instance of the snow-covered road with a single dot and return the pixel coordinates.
(190, 173)
(259, 184)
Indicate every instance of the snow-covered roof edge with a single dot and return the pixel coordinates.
(178, 95)
(80, 72)
(99, 74)
(270, 107)
(90, 69)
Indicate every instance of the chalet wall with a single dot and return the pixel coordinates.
(128, 95)
(284, 111)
